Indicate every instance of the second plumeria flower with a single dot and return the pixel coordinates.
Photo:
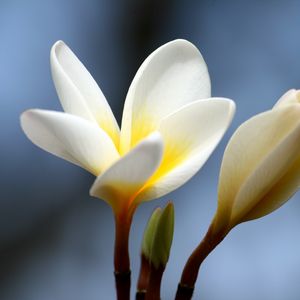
(260, 171)
(261, 164)
(169, 127)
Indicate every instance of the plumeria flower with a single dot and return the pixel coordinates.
(267, 149)
(170, 127)
(170, 124)
(260, 171)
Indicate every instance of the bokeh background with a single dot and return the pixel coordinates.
(56, 242)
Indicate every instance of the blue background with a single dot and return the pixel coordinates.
(56, 242)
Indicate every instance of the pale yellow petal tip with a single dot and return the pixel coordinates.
(94, 188)
(23, 118)
(184, 46)
(92, 191)
(232, 110)
(231, 106)
(154, 138)
(26, 116)
(181, 42)
(156, 141)
(292, 96)
(58, 49)
(57, 45)
(228, 104)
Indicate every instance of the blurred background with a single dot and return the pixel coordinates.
(56, 242)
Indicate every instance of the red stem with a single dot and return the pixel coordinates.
(143, 276)
(154, 284)
(121, 256)
(192, 266)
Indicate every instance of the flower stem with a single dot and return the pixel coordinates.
(190, 272)
(123, 285)
(154, 283)
(140, 295)
(143, 279)
(121, 256)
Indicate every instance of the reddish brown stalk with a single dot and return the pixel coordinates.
(121, 256)
(154, 284)
(143, 278)
(190, 272)
(140, 295)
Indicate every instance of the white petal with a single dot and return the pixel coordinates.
(78, 92)
(252, 143)
(190, 135)
(172, 76)
(267, 175)
(71, 138)
(290, 97)
(121, 182)
(280, 193)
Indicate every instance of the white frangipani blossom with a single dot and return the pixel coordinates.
(261, 164)
(260, 171)
(170, 124)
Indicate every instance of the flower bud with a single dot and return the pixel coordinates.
(150, 232)
(261, 165)
(158, 236)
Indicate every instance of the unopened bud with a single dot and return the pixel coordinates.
(159, 236)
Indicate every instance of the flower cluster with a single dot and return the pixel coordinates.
(170, 127)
